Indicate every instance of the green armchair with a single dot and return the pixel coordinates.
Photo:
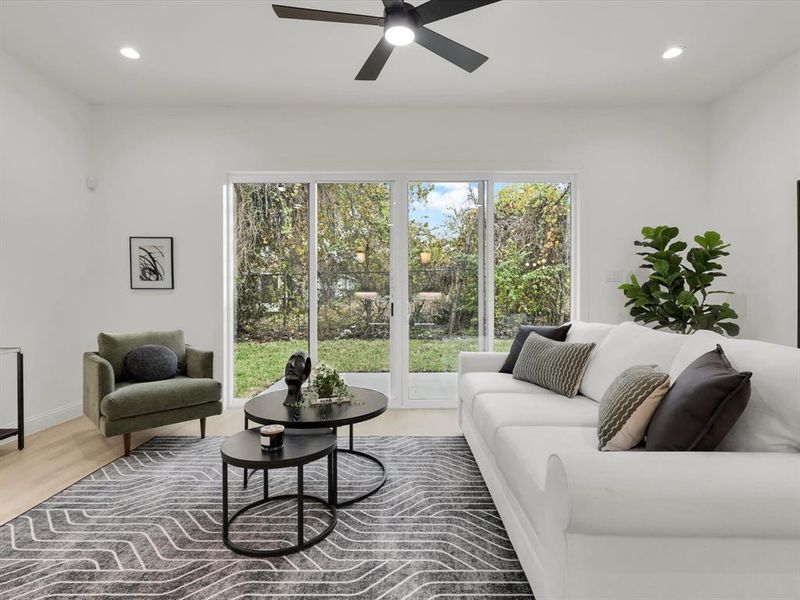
(119, 406)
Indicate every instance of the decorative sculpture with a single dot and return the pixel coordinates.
(296, 373)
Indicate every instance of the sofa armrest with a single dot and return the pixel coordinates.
(199, 363)
(477, 362)
(692, 494)
(98, 382)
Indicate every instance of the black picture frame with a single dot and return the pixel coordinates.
(162, 271)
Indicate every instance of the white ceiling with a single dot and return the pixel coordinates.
(541, 52)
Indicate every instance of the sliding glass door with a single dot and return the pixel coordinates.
(532, 256)
(445, 223)
(312, 273)
(353, 283)
(388, 279)
(271, 257)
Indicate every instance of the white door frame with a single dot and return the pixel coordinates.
(399, 325)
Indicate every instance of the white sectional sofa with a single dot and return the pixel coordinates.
(641, 525)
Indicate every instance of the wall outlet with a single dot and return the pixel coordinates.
(615, 276)
(91, 183)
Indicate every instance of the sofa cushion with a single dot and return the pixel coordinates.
(472, 384)
(771, 421)
(114, 346)
(131, 399)
(558, 334)
(553, 365)
(581, 332)
(492, 412)
(627, 345)
(521, 454)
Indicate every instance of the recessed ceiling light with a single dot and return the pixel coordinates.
(129, 52)
(673, 52)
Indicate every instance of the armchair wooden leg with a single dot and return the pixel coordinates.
(202, 427)
(126, 440)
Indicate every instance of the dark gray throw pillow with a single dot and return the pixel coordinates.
(701, 407)
(151, 363)
(555, 333)
(557, 366)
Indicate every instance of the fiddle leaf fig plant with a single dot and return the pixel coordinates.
(678, 290)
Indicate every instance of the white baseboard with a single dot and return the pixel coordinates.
(47, 419)
(431, 403)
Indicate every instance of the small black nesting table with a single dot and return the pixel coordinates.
(267, 408)
(244, 450)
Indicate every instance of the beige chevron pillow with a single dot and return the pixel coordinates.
(557, 366)
(628, 405)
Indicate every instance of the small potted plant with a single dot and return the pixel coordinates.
(328, 384)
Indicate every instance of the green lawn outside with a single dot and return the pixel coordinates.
(258, 365)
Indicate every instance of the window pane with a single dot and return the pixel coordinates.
(271, 245)
(443, 241)
(353, 275)
(532, 243)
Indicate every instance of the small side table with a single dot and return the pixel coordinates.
(243, 450)
(20, 429)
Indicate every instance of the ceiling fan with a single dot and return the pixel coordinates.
(402, 24)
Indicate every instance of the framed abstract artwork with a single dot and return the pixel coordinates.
(151, 263)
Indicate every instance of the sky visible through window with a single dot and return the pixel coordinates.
(443, 201)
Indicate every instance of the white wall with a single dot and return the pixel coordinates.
(161, 172)
(755, 152)
(45, 254)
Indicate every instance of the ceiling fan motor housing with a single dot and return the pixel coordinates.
(402, 16)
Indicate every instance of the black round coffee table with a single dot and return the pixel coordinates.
(267, 408)
(244, 450)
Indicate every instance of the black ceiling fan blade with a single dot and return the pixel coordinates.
(374, 65)
(434, 10)
(312, 14)
(459, 55)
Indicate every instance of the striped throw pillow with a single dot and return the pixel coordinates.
(557, 366)
(628, 406)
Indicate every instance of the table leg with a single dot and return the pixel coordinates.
(20, 403)
(246, 424)
(300, 505)
(266, 484)
(351, 436)
(332, 478)
(335, 477)
(224, 500)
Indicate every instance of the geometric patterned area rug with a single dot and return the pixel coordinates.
(149, 526)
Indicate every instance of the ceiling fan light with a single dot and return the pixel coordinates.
(399, 35)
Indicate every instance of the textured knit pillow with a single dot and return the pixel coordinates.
(557, 366)
(628, 405)
(701, 407)
(559, 334)
(151, 362)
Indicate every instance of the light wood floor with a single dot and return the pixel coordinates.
(56, 458)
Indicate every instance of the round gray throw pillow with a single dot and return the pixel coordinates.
(151, 363)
